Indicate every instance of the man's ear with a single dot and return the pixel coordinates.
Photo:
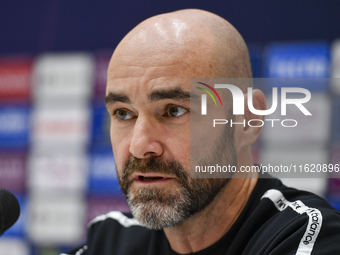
(246, 135)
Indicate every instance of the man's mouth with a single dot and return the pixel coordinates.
(150, 178)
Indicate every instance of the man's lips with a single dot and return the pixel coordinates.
(150, 178)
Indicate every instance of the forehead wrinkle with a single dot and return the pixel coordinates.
(175, 94)
(133, 66)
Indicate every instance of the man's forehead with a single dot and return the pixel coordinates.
(161, 49)
(162, 30)
(145, 77)
(167, 29)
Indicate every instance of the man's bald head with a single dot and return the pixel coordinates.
(202, 40)
(148, 96)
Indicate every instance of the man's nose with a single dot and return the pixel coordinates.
(145, 141)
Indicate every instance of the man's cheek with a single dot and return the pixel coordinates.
(121, 153)
(120, 167)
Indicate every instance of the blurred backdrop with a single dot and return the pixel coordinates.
(55, 152)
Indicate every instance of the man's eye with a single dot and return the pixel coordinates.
(176, 111)
(123, 114)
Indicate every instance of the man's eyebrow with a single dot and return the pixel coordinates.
(175, 94)
(116, 97)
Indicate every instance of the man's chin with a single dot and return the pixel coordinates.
(156, 209)
(154, 215)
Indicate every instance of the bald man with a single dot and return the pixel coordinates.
(148, 98)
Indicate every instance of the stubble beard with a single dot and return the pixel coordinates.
(158, 208)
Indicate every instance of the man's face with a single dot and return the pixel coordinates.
(149, 102)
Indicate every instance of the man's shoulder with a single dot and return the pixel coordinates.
(114, 233)
(274, 192)
(300, 201)
(292, 205)
(299, 219)
(116, 219)
(117, 232)
(116, 224)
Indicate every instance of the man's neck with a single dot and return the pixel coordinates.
(207, 227)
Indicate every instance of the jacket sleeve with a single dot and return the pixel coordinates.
(79, 250)
(308, 239)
